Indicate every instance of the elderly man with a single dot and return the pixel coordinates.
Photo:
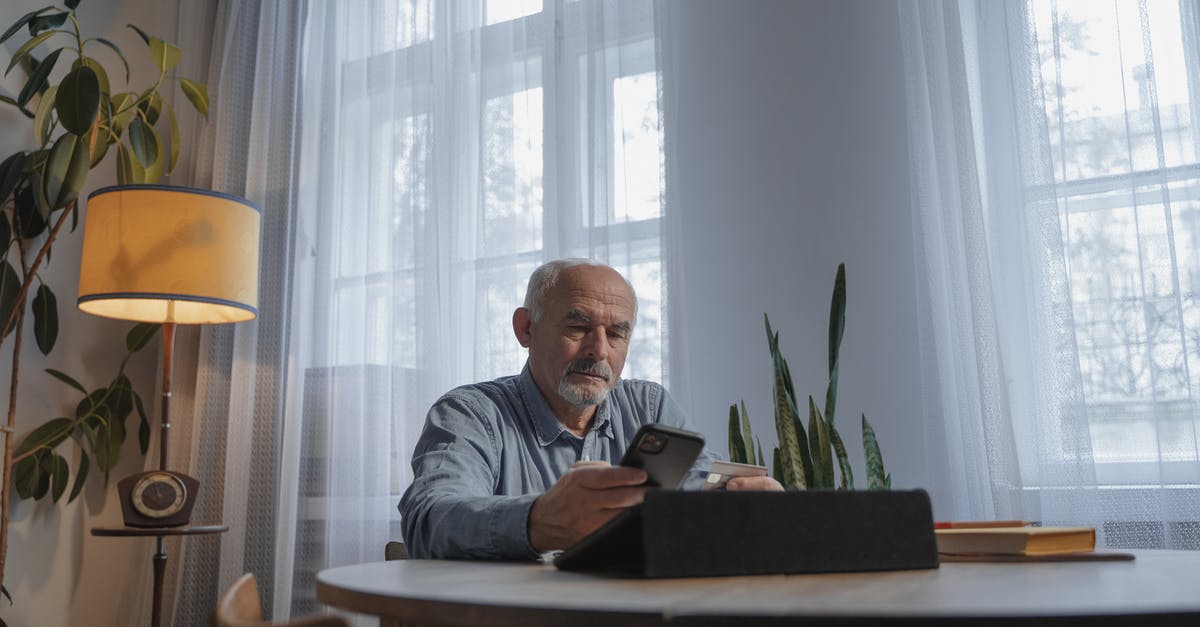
(511, 468)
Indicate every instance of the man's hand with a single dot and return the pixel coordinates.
(754, 483)
(581, 501)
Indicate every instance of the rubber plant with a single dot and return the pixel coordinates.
(75, 123)
(804, 459)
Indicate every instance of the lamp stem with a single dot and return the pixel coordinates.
(168, 331)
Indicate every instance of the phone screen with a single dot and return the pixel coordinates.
(665, 453)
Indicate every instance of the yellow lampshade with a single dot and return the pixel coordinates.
(155, 253)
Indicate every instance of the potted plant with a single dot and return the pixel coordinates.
(75, 123)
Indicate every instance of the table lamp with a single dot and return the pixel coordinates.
(168, 255)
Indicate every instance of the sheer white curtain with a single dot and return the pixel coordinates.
(1055, 170)
(416, 160)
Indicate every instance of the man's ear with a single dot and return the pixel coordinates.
(522, 322)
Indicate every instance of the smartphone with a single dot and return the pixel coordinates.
(665, 453)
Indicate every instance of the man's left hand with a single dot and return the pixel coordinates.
(754, 483)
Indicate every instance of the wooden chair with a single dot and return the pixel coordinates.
(241, 607)
(395, 550)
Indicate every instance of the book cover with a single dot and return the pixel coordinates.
(1015, 540)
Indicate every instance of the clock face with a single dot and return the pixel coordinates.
(158, 495)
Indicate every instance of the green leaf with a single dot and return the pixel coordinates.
(29, 215)
(12, 30)
(151, 108)
(777, 467)
(143, 425)
(66, 170)
(117, 50)
(163, 54)
(101, 73)
(837, 328)
(42, 120)
(197, 94)
(144, 141)
(737, 448)
(122, 111)
(877, 479)
(140, 32)
(45, 318)
(49, 435)
(66, 378)
(822, 456)
(42, 468)
(25, 476)
(11, 171)
(4, 591)
(747, 436)
(5, 236)
(762, 461)
(174, 140)
(25, 49)
(10, 286)
(46, 22)
(39, 79)
(60, 471)
(120, 397)
(81, 474)
(140, 335)
(792, 443)
(72, 4)
(839, 448)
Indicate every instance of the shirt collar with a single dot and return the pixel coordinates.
(545, 423)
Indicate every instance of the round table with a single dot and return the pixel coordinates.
(1159, 587)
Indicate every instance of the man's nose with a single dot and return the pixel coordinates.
(597, 347)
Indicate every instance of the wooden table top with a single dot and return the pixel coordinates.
(1159, 587)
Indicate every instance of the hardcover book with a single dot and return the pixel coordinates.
(1015, 540)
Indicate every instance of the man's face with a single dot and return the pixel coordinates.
(577, 350)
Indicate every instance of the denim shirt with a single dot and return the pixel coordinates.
(488, 450)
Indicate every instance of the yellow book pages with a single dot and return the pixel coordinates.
(1016, 540)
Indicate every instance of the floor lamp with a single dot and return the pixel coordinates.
(167, 255)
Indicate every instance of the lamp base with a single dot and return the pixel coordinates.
(157, 498)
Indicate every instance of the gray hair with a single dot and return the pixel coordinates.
(543, 280)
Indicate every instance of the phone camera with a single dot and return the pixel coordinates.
(652, 443)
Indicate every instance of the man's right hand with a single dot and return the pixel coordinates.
(581, 501)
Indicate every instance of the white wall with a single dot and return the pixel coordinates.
(791, 156)
(58, 574)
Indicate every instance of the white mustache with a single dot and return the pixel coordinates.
(590, 366)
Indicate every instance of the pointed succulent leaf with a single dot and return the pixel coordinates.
(197, 94)
(777, 467)
(39, 79)
(140, 335)
(42, 119)
(45, 318)
(877, 479)
(786, 425)
(164, 55)
(737, 448)
(81, 474)
(761, 460)
(141, 33)
(12, 30)
(747, 435)
(837, 315)
(839, 449)
(823, 453)
(47, 22)
(117, 50)
(10, 286)
(25, 50)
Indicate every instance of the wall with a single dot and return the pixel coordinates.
(790, 156)
(57, 573)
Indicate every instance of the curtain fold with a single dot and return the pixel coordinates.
(415, 161)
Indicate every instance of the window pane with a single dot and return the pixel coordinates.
(504, 10)
(512, 176)
(637, 154)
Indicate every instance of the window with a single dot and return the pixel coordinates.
(1119, 97)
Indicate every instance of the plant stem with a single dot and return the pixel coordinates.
(19, 304)
(11, 424)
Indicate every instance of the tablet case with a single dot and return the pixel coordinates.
(699, 534)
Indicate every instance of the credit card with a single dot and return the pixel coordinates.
(722, 472)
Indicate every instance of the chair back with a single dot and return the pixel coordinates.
(395, 550)
(241, 607)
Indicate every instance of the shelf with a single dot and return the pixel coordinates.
(129, 532)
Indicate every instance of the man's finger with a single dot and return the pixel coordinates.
(753, 483)
(588, 464)
(602, 477)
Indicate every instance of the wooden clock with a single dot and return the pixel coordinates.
(157, 498)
